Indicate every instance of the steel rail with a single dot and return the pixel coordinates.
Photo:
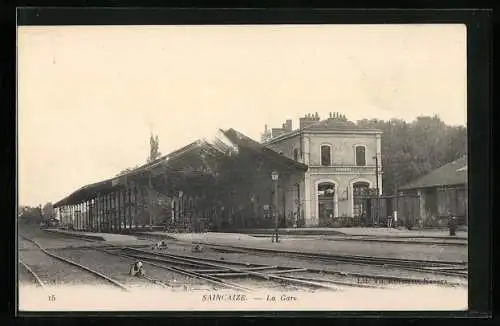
(68, 261)
(152, 280)
(206, 278)
(351, 257)
(336, 282)
(362, 260)
(251, 273)
(242, 273)
(378, 278)
(37, 278)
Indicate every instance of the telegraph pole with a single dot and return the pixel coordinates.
(378, 191)
(150, 197)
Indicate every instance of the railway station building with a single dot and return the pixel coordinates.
(225, 182)
(343, 163)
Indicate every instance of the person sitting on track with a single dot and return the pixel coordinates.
(136, 269)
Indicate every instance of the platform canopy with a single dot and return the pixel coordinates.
(192, 166)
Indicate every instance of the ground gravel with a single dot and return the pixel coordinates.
(181, 248)
(359, 248)
(55, 272)
(24, 277)
(118, 267)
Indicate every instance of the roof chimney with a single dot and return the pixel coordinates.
(288, 125)
(307, 120)
(275, 132)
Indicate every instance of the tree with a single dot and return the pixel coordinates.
(48, 211)
(27, 214)
(410, 150)
(154, 145)
(154, 154)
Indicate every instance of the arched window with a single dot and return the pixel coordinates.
(326, 155)
(295, 154)
(360, 156)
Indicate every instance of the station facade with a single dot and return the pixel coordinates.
(343, 163)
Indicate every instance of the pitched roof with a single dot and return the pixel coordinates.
(453, 173)
(218, 144)
(327, 125)
(336, 124)
(88, 191)
(245, 142)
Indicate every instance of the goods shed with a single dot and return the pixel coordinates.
(441, 191)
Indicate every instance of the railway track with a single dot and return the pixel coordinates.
(223, 273)
(399, 240)
(68, 262)
(193, 274)
(34, 275)
(220, 274)
(446, 268)
(306, 278)
(219, 277)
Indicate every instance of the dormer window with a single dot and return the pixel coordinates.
(326, 155)
(360, 155)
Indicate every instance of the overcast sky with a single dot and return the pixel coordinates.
(88, 97)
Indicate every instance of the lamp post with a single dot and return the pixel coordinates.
(376, 182)
(181, 203)
(274, 177)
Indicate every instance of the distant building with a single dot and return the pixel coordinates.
(441, 191)
(341, 160)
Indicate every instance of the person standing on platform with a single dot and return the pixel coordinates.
(452, 224)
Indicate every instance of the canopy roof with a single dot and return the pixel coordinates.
(179, 164)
